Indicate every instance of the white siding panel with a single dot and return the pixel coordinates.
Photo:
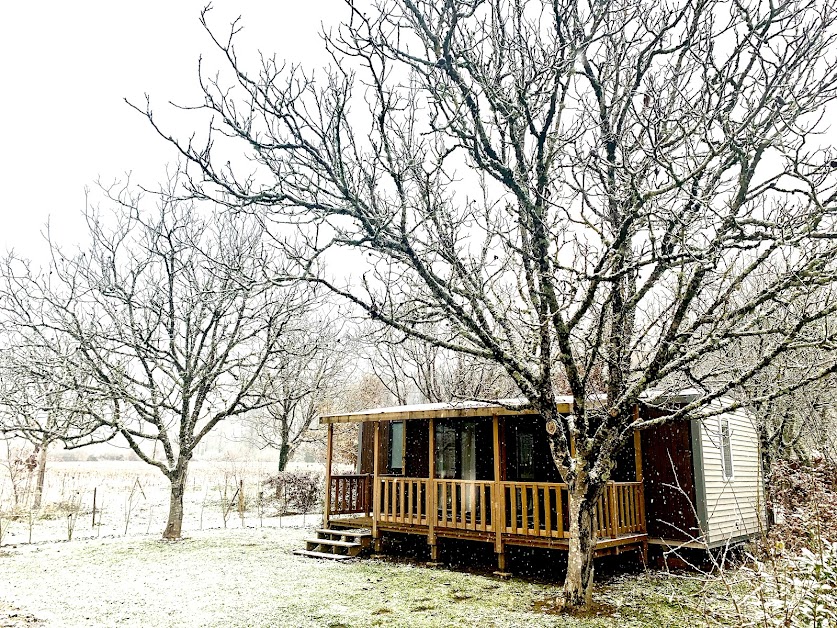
(733, 505)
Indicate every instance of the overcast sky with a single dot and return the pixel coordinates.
(65, 69)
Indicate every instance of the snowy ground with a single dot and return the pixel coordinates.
(246, 575)
(249, 577)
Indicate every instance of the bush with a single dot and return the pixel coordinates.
(60, 509)
(793, 577)
(799, 591)
(296, 491)
(804, 498)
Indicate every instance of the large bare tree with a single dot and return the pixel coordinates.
(576, 190)
(170, 315)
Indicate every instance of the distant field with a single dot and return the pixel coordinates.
(132, 498)
(250, 578)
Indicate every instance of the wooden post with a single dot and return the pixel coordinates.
(637, 447)
(614, 510)
(94, 508)
(242, 502)
(641, 491)
(501, 563)
(432, 508)
(329, 452)
(376, 487)
(498, 514)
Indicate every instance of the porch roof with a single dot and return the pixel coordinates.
(444, 410)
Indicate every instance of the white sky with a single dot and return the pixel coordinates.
(65, 68)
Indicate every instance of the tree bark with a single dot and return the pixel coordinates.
(174, 524)
(284, 454)
(578, 585)
(39, 486)
(767, 472)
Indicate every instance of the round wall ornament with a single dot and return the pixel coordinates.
(552, 427)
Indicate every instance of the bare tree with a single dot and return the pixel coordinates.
(801, 423)
(299, 384)
(576, 190)
(409, 367)
(40, 400)
(169, 315)
(364, 391)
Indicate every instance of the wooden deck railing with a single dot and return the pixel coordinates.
(538, 509)
(403, 500)
(541, 509)
(464, 504)
(351, 494)
(534, 509)
(630, 507)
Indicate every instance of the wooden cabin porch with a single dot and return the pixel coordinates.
(503, 510)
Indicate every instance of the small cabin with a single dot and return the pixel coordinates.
(483, 472)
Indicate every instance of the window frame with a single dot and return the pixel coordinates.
(399, 470)
(724, 447)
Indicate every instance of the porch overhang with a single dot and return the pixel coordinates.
(447, 410)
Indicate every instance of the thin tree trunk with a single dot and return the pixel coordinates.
(39, 487)
(178, 488)
(578, 585)
(767, 471)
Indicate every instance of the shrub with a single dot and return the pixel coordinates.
(296, 491)
(805, 498)
(800, 590)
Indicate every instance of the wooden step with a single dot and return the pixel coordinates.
(310, 554)
(333, 542)
(347, 533)
(334, 547)
(337, 544)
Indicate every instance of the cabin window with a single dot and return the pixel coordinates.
(525, 455)
(726, 449)
(468, 451)
(445, 451)
(463, 450)
(456, 455)
(396, 447)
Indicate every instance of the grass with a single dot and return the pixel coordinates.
(250, 578)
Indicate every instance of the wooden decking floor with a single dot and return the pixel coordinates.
(351, 522)
(604, 545)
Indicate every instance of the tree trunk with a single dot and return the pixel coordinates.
(284, 454)
(39, 486)
(178, 487)
(578, 585)
(767, 471)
